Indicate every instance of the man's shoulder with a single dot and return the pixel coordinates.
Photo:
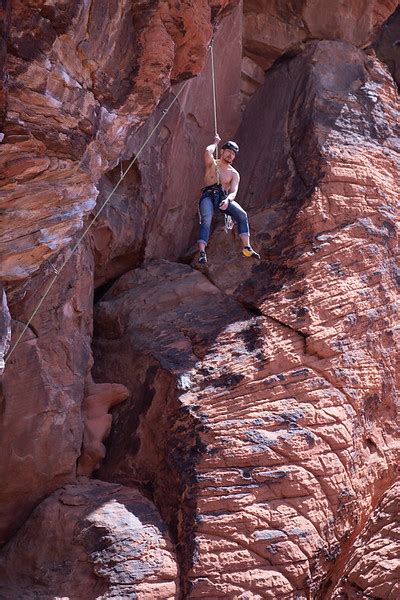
(234, 171)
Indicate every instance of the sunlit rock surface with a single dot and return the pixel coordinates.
(5, 328)
(272, 28)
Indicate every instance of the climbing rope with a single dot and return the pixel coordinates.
(214, 93)
(229, 224)
(74, 248)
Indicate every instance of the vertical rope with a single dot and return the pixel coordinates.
(214, 100)
(227, 219)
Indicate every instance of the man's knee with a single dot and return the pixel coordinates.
(241, 215)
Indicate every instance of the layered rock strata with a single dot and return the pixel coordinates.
(277, 423)
(92, 540)
(72, 102)
(151, 215)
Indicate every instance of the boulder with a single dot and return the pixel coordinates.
(93, 540)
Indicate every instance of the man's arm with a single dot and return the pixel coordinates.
(233, 189)
(209, 154)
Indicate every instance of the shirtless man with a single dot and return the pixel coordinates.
(221, 195)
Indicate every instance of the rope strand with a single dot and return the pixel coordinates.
(227, 219)
(214, 94)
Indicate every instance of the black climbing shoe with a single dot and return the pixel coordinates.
(202, 258)
(248, 252)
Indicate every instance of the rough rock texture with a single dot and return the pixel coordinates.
(272, 28)
(261, 416)
(322, 200)
(69, 116)
(387, 46)
(155, 438)
(373, 568)
(42, 389)
(5, 12)
(278, 430)
(90, 541)
(73, 102)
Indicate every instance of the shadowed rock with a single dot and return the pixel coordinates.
(99, 399)
(272, 27)
(387, 46)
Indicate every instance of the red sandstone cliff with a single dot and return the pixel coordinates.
(253, 446)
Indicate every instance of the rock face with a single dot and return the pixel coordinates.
(44, 403)
(72, 103)
(151, 214)
(272, 28)
(373, 568)
(93, 540)
(69, 116)
(278, 430)
(99, 399)
(254, 403)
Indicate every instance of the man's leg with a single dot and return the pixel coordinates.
(206, 211)
(240, 216)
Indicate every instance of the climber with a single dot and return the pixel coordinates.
(221, 186)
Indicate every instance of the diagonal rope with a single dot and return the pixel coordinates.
(74, 248)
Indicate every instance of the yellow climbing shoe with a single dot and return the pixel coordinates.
(248, 252)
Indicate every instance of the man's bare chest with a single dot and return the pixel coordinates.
(224, 175)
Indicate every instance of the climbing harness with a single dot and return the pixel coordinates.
(74, 248)
(229, 224)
